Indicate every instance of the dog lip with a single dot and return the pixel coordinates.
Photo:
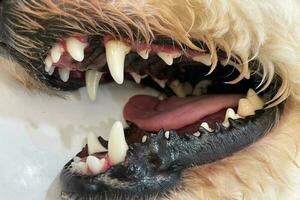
(161, 159)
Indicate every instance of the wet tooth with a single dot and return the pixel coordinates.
(92, 80)
(56, 53)
(167, 134)
(161, 83)
(137, 78)
(144, 54)
(117, 146)
(94, 164)
(168, 57)
(76, 48)
(206, 126)
(245, 108)
(116, 52)
(255, 100)
(64, 74)
(94, 146)
(205, 59)
(48, 63)
(230, 114)
(178, 88)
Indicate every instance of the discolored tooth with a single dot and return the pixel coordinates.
(255, 100)
(204, 58)
(116, 52)
(76, 48)
(245, 108)
(168, 57)
(117, 146)
(64, 74)
(94, 146)
(137, 78)
(206, 126)
(56, 53)
(95, 165)
(178, 88)
(201, 87)
(230, 114)
(92, 80)
(161, 83)
(48, 63)
(144, 54)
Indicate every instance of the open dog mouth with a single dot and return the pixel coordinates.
(207, 110)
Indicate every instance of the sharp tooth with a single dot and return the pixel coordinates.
(137, 78)
(95, 165)
(144, 139)
(48, 63)
(92, 80)
(116, 52)
(94, 146)
(168, 57)
(255, 100)
(245, 108)
(117, 146)
(161, 83)
(76, 48)
(51, 71)
(230, 114)
(205, 59)
(144, 54)
(178, 88)
(64, 74)
(167, 134)
(56, 53)
(206, 126)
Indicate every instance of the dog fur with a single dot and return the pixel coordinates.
(268, 31)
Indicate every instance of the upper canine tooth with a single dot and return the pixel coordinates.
(92, 80)
(116, 52)
(230, 114)
(117, 146)
(168, 57)
(64, 74)
(204, 58)
(76, 48)
(95, 165)
(144, 54)
(48, 63)
(56, 53)
(245, 108)
(93, 144)
(255, 100)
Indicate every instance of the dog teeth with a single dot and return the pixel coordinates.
(56, 52)
(92, 79)
(178, 88)
(144, 139)
(116, 52)
(94, 146)
(168, 57)
(161, 83)
(245, 108)
(144, 54)
(48, 63)
(95, 165)
(137, 78)
(255, 100)
(206, 126)
(117, 146)
(76, 48)
(64, 74)
(167, 134)
(80, 167)
(51, 70)
(204, 58)
(197, 134)
(230, 114)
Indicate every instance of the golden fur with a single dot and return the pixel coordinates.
(268, 31)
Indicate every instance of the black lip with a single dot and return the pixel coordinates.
(154, 167)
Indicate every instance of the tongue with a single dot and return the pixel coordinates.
(152, 114)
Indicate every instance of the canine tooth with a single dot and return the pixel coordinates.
(48, 63)
(117, 146)
(167, 134)
(144, 54)
(168, 57)
(116, 52)
(137, 78)
(161, 83)
(205, 59)
(230, 114)
(64, 74)
(94, 164)
(94, 146)
(144, 139)
(178, 88)
(56, 53)
(206, 126)
(76, 48)
(197, 134)
(255, 100)
(92, 80)
(245, 108)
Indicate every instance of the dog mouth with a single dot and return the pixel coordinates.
(207, 110)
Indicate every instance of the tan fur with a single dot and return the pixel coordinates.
(268, 31)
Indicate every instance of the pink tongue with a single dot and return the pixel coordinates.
(151, 114)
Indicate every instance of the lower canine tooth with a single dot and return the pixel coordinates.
(64, 74)
(117, 146)
(95, 165)
(92, 79)
(245, 108)
(116, 52)
(94, 146)
(255, 100)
